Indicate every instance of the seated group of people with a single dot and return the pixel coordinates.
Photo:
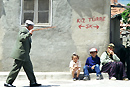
(109, 61)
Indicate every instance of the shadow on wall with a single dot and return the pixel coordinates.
(87, 6)
(2, 10)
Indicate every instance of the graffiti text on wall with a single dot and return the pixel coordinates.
(82, 22)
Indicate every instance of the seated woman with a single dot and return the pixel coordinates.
(75, 66)
(112, 64)
(92, 65)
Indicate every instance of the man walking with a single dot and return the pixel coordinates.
(21, 56)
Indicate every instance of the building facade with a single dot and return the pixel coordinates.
(80, 25)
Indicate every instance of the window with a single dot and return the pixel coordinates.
(38, 11)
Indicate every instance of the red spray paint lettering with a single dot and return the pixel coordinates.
(93, 19)
(81, 20)
(89, 26)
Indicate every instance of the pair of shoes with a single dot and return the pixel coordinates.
(99, 77)
(113, 78)
(78, 78)
(125, 79)
(8, 85)
(35, 84)
(74, 79)
(86, 78)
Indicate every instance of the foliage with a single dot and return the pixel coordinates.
(126, 16)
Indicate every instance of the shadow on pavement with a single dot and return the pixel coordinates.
(45, 86)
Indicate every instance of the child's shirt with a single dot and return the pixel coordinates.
(92, 61)
(73, 64)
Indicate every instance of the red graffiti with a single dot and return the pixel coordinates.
(81, 26)
(93, 19)
(89, 26)
(81, 20)
(78, 20)
(96, 26)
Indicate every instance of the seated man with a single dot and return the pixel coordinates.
(92, 65)
(111, 64)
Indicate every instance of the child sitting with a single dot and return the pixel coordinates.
(92, 65)
(75, 66)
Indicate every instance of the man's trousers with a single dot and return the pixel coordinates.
(114, 68)
(28, 68)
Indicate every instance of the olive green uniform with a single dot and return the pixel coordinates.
(21, 55)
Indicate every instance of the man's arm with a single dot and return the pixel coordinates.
(116, 58)
(24, 35)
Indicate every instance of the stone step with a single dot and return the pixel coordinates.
(50, 75)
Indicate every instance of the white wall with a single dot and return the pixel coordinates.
(52, 49)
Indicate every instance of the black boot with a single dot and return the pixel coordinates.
(8, 85)
(35, 84)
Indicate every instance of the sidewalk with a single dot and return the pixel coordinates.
(70, 83)
(50, 75)
(63, 79)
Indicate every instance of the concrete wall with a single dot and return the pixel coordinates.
(52, 49)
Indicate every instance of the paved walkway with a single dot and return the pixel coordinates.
(63, 79)
(70, 83)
